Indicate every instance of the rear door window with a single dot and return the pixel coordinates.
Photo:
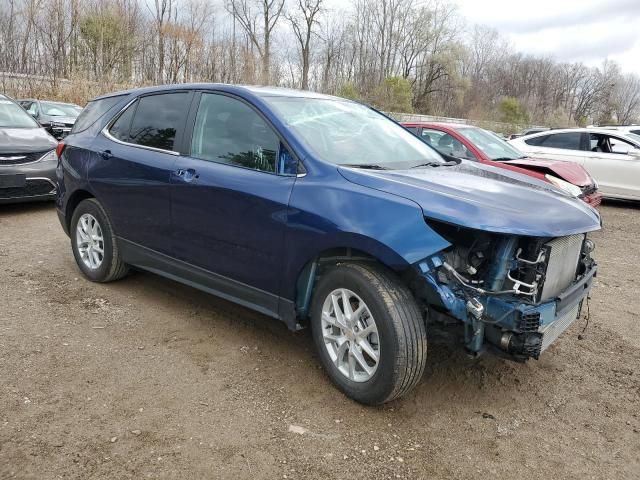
(93, 111)
(565, 141)
(159, 119)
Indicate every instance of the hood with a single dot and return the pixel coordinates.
(485, 198)
(25, 140)
(567, 171)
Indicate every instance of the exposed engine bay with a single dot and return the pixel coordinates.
(514, 294)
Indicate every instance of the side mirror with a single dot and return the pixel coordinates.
(634, 152)
(287, 163)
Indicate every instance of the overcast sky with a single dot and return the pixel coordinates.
(587, 31)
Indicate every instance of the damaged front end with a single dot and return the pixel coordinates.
(513, 294)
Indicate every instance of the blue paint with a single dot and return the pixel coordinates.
(501, 264)
(261, 229)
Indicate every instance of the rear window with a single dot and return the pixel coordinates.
(93, 111)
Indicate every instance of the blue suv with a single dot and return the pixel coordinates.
(322, 212)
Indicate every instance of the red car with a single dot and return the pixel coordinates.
(473, 143)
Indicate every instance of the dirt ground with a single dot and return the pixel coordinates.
(145, 378)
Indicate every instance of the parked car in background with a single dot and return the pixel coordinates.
(473, 143)
(621, 128)
(321, 211)
(611, 157)
(27, 156)
(528, 131)
(56, 117)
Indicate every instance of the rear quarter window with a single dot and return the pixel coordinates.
(93, 111)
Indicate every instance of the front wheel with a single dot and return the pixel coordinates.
(369, 332)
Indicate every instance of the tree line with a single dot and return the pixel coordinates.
(399, 55)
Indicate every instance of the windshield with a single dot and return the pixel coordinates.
(12, 116)
(490, 144)
(633, 136)
(59, 109)
(347, 133)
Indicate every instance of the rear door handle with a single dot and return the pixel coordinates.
(188, 174)
(106, 154)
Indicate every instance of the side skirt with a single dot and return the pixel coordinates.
(218, 285)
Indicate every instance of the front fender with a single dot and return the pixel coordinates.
(333, 213)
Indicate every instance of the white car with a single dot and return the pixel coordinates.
(620, 128)
(611, 157)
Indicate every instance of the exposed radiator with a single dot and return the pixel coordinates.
(562, 264)
(553, 330)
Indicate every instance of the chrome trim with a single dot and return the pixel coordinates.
(43, 178)
(26, 197)
(27, 163)
(105, 132)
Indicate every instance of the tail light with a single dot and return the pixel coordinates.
(60, 149)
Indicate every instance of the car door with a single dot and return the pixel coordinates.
(130, 169)
(565, 146)
(229, 201)
(615, 164)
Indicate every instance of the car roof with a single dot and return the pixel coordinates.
(255, 90)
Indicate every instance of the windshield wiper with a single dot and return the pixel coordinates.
(436, 164)
(370, 166)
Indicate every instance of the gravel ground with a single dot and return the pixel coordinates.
(145, 378)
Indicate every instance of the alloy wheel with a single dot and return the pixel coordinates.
(350, 335)
(90, 241)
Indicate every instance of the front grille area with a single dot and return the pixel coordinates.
(529, 321)
(20, 158)
(563, 255)
(35, 187)
(552, 331)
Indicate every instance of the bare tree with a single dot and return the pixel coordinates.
(303, 22)
(258, 18)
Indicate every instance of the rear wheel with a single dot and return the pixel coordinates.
(94, 244)
(369, 332)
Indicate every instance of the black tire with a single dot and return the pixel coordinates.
(112, 267)
(401, 331)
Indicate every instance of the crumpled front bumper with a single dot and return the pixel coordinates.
(520, 329)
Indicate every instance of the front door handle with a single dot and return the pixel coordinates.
(106, 154)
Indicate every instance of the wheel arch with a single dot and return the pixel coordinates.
(72, 203)
(310, 272)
